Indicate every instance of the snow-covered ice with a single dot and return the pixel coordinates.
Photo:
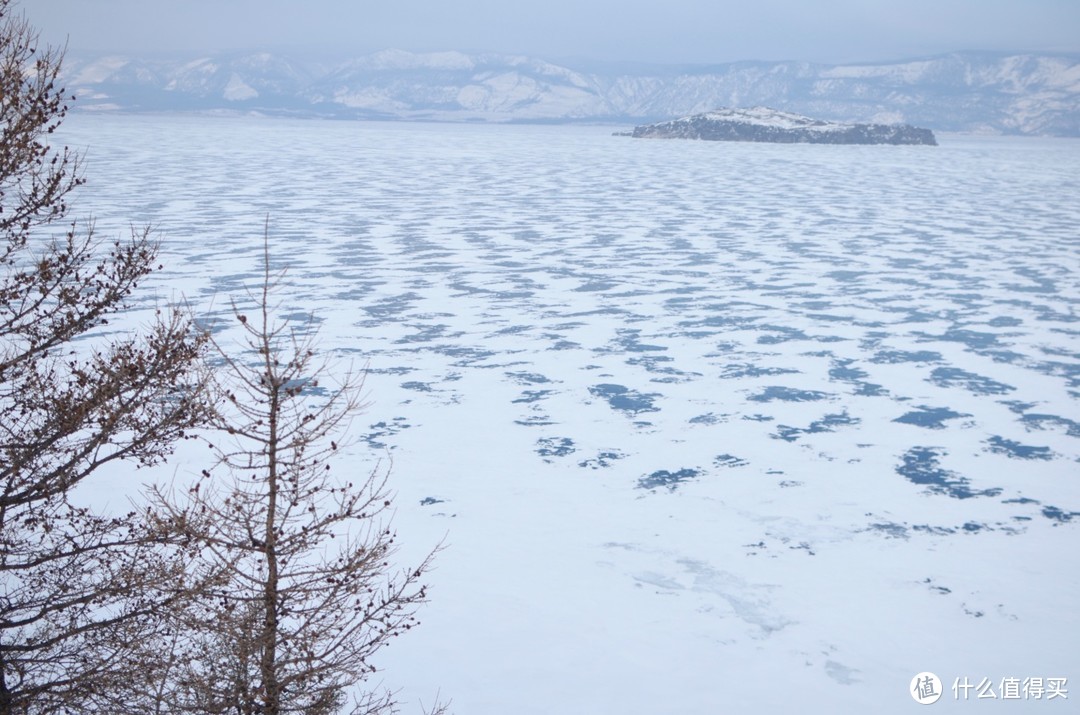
(705, 427)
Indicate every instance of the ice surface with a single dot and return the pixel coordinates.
(705, 427)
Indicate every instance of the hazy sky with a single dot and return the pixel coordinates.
(672, 31)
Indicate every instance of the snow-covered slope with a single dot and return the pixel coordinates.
(980, 92)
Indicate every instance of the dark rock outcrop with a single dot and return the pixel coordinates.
(762, 124)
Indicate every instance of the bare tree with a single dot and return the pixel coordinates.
(75, 586)
(303, 592)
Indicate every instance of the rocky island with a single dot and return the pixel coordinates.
(762, 124)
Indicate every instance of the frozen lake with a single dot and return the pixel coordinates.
(706, 427)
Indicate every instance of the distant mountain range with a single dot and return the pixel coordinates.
(1032, 94)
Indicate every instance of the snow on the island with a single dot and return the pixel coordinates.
(768, 117)
(702, 427)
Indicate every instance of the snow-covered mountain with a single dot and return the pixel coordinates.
(967, 91)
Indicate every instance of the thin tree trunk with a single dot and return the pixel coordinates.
(5, 693)
(268, 664)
